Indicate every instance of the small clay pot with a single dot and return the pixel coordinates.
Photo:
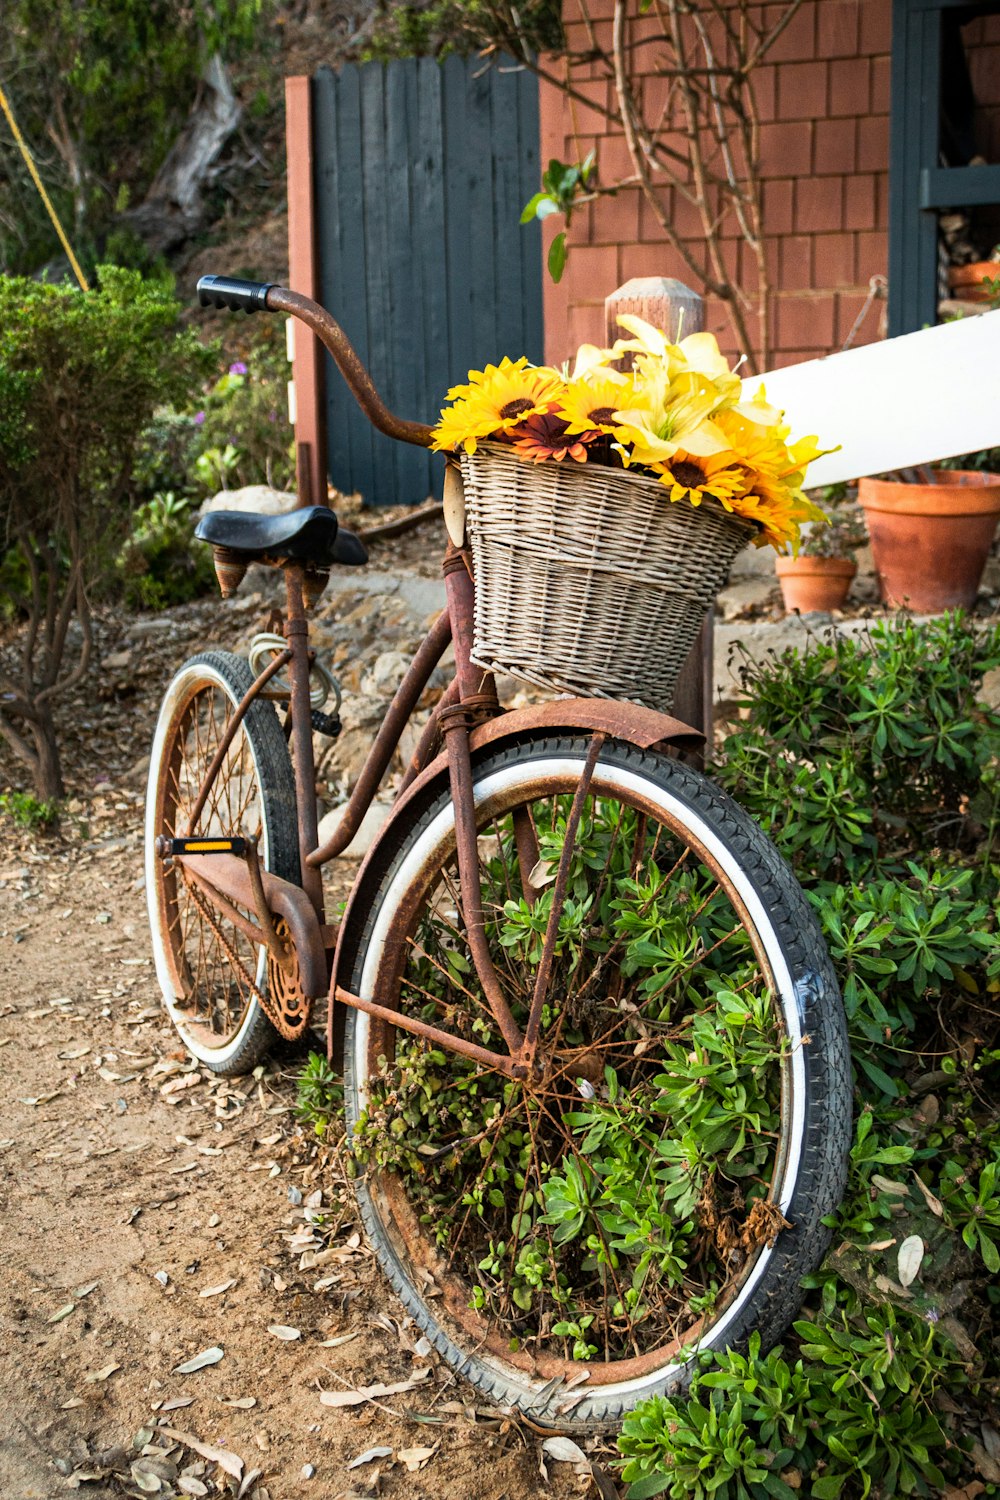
(809, 584)
(930, 541)
(967, 281)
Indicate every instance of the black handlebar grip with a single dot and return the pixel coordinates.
(233, 292)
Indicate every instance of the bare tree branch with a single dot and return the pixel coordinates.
(18, 743)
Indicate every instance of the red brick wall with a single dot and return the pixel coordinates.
(824, 149)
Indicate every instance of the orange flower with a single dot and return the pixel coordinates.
(545, 437)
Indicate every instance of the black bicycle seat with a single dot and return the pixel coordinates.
(309, 535)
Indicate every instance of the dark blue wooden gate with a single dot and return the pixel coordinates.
(421, 171)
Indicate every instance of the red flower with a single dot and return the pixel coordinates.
(544, 437)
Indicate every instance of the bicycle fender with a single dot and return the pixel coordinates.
(631, 722)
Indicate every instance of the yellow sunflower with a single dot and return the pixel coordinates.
(502, 396)
(691, 477)
(779, 517)
(495, 401)
(455, 429)
(591, 405)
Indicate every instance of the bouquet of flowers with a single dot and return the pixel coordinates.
(677, 415)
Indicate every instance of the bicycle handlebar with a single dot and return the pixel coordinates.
(233, 293)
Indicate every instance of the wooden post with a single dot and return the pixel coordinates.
(675, 308)
(303, 276)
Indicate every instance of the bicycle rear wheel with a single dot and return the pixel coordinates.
(568, 1243)
(211, 974)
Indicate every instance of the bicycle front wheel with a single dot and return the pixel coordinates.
(658, 1187)
(212, 975)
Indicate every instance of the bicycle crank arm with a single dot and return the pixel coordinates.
(228, 881)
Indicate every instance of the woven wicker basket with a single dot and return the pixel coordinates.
(588, 579)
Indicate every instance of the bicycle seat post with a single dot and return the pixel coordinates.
(297, 635)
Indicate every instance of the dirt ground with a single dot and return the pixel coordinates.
(150, 1212)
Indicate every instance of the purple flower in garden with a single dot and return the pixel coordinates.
(199, 417)
(238, 368)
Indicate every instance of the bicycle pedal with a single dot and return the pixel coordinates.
(170, 848)
(328, 724)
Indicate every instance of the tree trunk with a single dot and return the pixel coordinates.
(171, 211)
(48, 765)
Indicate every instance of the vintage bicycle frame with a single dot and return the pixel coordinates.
(467, 719)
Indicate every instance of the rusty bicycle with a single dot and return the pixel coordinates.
(594, 1058)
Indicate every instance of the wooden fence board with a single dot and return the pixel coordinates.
(421, 173)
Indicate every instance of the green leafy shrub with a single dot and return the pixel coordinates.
(437, 28)
(241, 432)
(166, 455)
(231, 433)
(80, 375)
(161, 564)
(27, 811)
(104, 88)
(874, 768)
(319, 1093)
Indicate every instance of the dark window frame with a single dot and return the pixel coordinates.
(919, 186)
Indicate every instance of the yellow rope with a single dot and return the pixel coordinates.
(23, 148)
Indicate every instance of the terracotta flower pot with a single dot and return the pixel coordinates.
(930, 541)
(814, 583)
(967, 281)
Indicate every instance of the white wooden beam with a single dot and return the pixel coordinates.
(910, 400)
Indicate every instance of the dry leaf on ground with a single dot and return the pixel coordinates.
(369, 1456)
(229, 1462)
(415, 1458)
(910, 1258)
(564, 1451)
(373, 1392)
(934, 1204)
(199, 1362)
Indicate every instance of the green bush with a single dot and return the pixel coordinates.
(750, 1424)
(232, 433)
(241, 428)
(104, 89)
(160, 564)
(319, 1093)
(875, 769)
(27, 811)
(80, 375)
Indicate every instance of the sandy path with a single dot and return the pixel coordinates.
(121, 1167)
